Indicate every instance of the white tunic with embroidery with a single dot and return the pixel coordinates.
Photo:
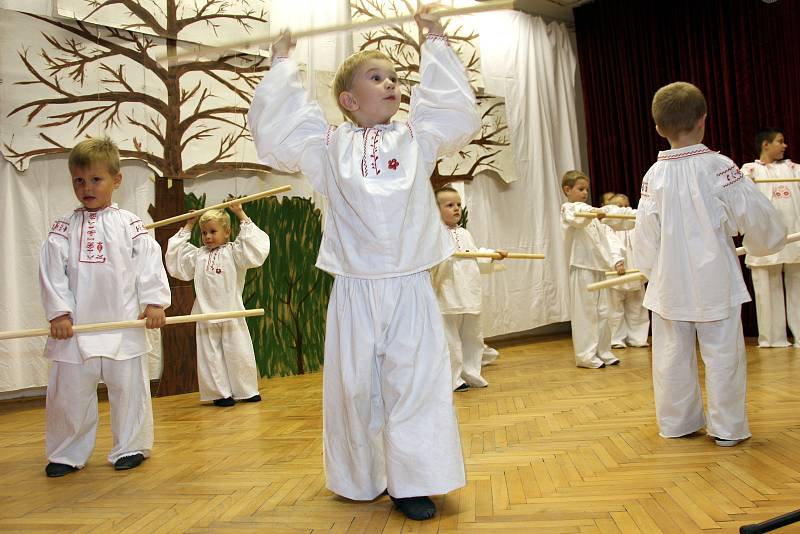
(457, 281)
(592, 244)
(382, 219)
(218, 274)
(100, 266)
(692, 201)
(785, 196)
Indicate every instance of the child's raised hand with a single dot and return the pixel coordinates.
(154, 316)
(238, 211)
(283, 44)
(191, 222)
(620, 267)
(427, 20)
(61, 327)
(503, 254)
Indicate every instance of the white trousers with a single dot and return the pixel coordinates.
(629, 320)
(591, 330)
(226, 363)
(771, 311)
(679, 405)
(465, 342)
(389, 421)
(72, 409)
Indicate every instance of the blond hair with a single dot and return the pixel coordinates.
(345, 74)
(571, 177)
(619, 197)
(95, 151)
(677, 107)
(447, 188)
(218, 216)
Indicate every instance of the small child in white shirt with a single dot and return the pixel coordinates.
(630, 322)
(458, 289)
(594, 248)
(226, 363)
(771, 273)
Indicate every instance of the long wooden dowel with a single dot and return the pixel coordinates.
(197, 213)
(497, 256)
(239, 44)
(627, 271)
(776, 180)
(593, 215)
(791, 238)
(618, 281)
(136, 323)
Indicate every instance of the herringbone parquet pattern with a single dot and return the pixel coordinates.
(548, 447)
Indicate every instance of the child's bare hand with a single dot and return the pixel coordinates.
(600, 213)
(61, 327)
(427, 20)
(620, 267)
(503, 254)
(154, 316)
(191, 222)
(238, 211)
(283, 44)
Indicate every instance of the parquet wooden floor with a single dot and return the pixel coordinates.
(548, 448)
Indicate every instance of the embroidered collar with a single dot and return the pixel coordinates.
(685, 152)
(112, 206)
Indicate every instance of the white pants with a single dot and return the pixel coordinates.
(629, 321)
(771, 311)
(489, 355)
(679, 405)
(591, 331)
(72, 409)
(465, 341)
(226, 363)
(389, 421)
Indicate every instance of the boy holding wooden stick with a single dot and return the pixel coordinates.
(99, 264)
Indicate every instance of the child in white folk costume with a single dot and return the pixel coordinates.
(226, 363)
(99, 264)
(457, 282)
(693, 200)
(389, 421)
(593, 249)
(630, 322)
(771, 272)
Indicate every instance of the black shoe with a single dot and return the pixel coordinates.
(58, 470)
(462, 387)
(129, 462)
(227, 401)
(416, 508)
(254, 398)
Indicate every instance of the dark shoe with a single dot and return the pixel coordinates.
(227, 401)
(416, 508)
(129, 462)
(58, 470)
(462, 387)
(254, 398)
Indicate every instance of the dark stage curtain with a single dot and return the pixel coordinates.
(743, 55)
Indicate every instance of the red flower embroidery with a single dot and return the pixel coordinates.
(393, 164)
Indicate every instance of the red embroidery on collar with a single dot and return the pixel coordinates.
(698, 151)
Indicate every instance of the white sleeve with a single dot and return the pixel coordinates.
(289, 130)
(181, 256)
(485, 264)
(440, 272)
(57, 298)
(616, 246)
(443, 115)
(152, 284)
(754, 216)
(569, 217)
(251, 246)
(618, 224)
(646, 235)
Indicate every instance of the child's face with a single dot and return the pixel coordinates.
(449, 207)
(94, 186)
(620, 202)
(375, 94)
(214, 234)
(578, 192)
(774, 149)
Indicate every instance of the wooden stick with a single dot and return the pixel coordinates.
(791, 238)
(350, 26)
(497, 256)
(776, 180)
(611, 282)
(592, 215)
(136, 323)
(197, 213)
(627, 271)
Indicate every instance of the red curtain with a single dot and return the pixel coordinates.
(743, 55)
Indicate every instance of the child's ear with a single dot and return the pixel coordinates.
(565, 189)
(117, 180)
(348, 101)
(659, 132)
